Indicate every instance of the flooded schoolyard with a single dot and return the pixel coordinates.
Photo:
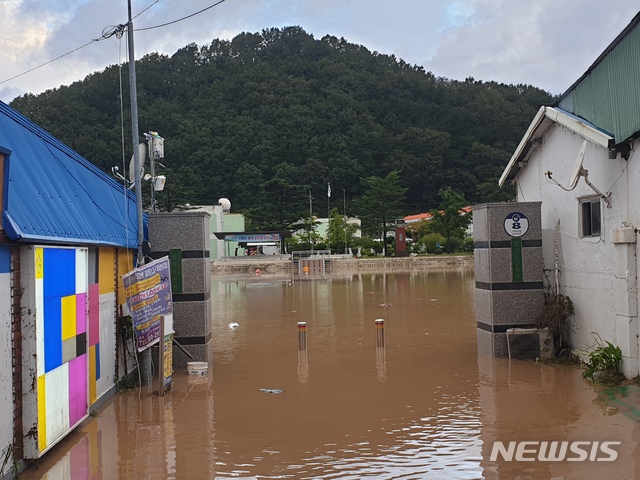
(425, 405)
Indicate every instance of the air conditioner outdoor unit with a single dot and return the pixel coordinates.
(529, 343)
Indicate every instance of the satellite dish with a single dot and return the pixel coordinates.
(142, 153)
(577, 172)
(577, 167)
(226, 204)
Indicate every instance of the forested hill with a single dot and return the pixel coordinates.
(268, 117)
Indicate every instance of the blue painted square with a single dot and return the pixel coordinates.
(5, 259)
(59, 272)
(52, 333)
(97, 361)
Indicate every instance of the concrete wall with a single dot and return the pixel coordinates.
(597, 273)
(344, 266)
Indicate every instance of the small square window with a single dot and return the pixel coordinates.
(591, 219)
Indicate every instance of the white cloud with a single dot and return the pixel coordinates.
(545, 43)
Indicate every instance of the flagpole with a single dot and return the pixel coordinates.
(311, 221)
(328, 206)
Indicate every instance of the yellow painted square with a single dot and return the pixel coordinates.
(69, 319)
(106, 273)
(42, 414)
(39, 261)
(92, 375)
(125, 265)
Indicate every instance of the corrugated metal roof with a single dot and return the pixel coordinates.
(545, 117)
(607, 93)
(54, 195)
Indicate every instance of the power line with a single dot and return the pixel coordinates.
(109, 32)
(180, 19)
(50, 61)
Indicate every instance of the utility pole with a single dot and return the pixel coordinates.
(144, 358)
(344, 199)
(135, 136)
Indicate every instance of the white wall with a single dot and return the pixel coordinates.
(107, 345)
(6, 380)
(598, 275)
(216, 224)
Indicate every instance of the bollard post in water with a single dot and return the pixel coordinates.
(302, 335)
(379, 332)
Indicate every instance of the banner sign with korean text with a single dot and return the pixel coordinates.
(148, 291)
(253, 237)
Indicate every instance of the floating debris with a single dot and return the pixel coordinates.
(271, 390)
(386, 304)
(234, 325)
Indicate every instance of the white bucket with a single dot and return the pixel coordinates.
(197, 368)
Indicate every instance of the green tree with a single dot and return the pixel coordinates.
(237, 111)
(449, 221)
(340, 233)
(307, 236)
(381, 203)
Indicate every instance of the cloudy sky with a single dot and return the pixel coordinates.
(545, 43)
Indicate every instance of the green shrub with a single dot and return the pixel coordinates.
(467, 245)
(604, 363)
(455, 244)
(432, 241)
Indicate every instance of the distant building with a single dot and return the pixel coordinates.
(421, 217)
(322, 228)
(222, 220)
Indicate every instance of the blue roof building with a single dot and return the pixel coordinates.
(68, 234)
(51, 194)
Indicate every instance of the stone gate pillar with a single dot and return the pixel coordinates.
(507, 239)
(184, 237)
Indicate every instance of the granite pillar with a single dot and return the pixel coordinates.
(184, 237)
(508, 262)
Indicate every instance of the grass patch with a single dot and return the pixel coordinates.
(570, 360)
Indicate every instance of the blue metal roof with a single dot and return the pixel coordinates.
(54, 195)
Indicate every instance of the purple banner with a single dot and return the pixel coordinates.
(148, 290)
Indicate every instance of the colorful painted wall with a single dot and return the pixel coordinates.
(55, 360)
(70, 297)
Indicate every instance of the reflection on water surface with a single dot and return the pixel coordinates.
(425, 405)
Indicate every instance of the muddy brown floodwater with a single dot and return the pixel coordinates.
(426, 405)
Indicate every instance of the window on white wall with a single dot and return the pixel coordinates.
(590, 217)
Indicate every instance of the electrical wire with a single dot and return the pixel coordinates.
(622, 173)
(108, 32)
(144, 10)
(180, 19)
(50, 61)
